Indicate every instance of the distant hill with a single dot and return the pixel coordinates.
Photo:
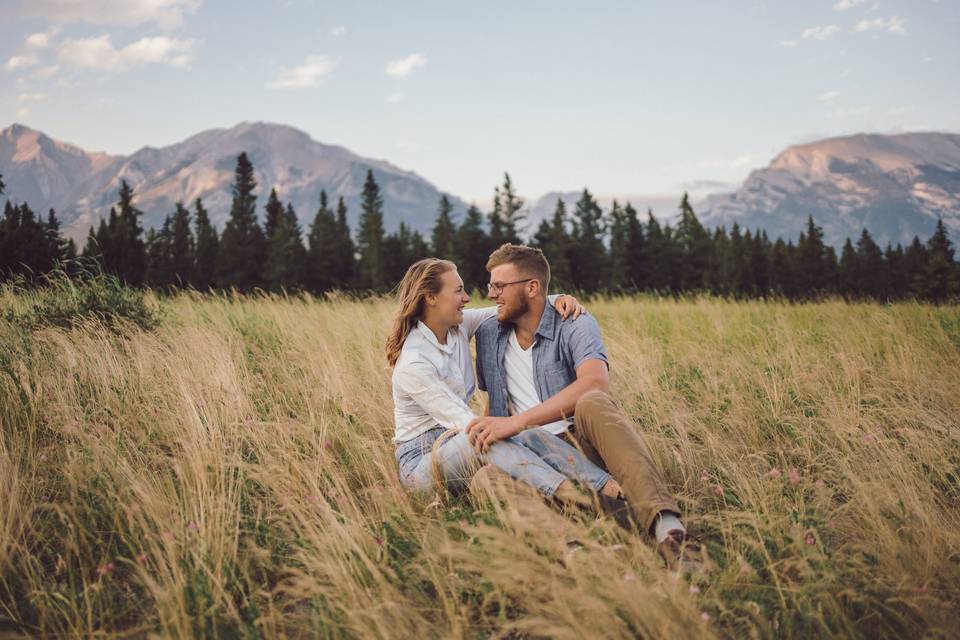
(82, 186)
(894, 185)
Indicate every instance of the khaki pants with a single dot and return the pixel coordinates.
(610, 440)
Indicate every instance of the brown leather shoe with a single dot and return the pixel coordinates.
(620, 511)
(682, 552)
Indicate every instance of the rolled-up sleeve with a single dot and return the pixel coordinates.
(584, 341)
(434, 397)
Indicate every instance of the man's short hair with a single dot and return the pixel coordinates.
(529, 261)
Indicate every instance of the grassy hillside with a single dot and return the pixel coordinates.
(231, 473)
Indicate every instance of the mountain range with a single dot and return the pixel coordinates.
(894, 185)
(81, 186)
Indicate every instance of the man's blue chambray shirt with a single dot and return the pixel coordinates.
(561, 346)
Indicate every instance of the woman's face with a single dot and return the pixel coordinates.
(447, 305)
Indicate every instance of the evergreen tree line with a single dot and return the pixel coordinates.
(589, 249)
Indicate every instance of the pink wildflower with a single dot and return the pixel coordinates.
(694, 589)
(810, 539)
(704, 475)
(774, 473)
(104, 569)
(142, 558)
(192, 526)
(820, 483)
(378, 540)
(43, 457)
(718, 490)
(705, 616)
(794, 476)
(629, 577)
(869, 437)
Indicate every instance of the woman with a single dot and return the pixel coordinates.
(433, 381)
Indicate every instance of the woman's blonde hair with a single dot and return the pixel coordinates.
(421, 279)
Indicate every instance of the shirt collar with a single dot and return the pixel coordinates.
(432, 338)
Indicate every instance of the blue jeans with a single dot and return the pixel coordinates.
(534, 456)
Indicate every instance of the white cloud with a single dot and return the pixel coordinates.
(23, 112)
(787, 43)
(819, 33)
(741, 161)
(338, 31)
(844, 5)
(893, 24)
(47, 72)
(20, 62)
(828, 97)
(100, 54)
(395, 97)
(32, 97)
(404, 66)
(306, 75)
(41, 39)
(166, 14)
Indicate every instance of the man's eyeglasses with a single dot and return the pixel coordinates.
(496, 288)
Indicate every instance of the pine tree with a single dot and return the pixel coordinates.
(510, 208)
(783, 279)
(242, 251)
(345, 251)
(897, 284)
(286, 254)
(322, 252)
(444, 234)
(872, 276)
(589, 258)
(401, 249)
(620, 279)
(695, 247)
(274, 217)
(207, 247)
(182, 247)
(552, 238)
(161, 273)
(915, 267)
(131, 252)
(472, 250)
(812, 267)
(637, 259)
(370, 237)
(941, 283)
(849, 273)
(659, 252)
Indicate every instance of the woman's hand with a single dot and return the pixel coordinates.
(566, 305)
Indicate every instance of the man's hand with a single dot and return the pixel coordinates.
(567, 306)
(486, 430)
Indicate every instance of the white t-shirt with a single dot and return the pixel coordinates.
(521, 388)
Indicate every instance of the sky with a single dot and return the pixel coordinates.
(620, 97)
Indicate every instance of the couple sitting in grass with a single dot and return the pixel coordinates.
(539, 367)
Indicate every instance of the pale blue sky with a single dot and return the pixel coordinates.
(622, 97)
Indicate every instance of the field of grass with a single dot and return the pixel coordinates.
(230, 473)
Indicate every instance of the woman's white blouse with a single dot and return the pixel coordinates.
(433, 382)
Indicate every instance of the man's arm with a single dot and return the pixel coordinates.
(484, 431)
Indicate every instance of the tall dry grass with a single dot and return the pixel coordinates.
(231, 473)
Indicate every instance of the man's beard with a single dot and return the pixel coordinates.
(512, 312)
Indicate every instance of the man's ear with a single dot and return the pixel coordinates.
(535, 288)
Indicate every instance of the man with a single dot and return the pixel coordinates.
(539, 371)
